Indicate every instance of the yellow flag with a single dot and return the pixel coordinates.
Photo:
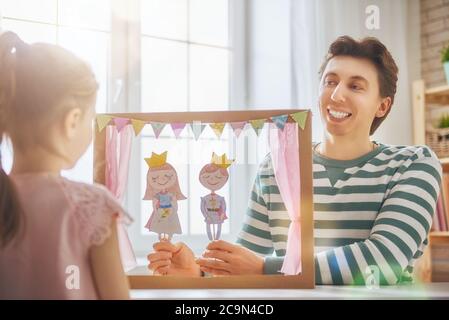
(300, 118)
(102, 121)
(218, 128)
(257, 124)
(137, 126)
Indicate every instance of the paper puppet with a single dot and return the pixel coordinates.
(164, 191)
(214, 176)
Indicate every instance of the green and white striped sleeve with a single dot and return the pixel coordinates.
(399, 231)
(255, 234)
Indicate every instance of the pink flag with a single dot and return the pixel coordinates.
(237, 127)
(120, 123)
(177, 128)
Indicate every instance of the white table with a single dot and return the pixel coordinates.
(416, 291)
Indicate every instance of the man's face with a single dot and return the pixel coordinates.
(349, 97)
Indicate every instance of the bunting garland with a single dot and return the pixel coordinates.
(137, 126)
(157, 128)
(120, 123)
(238, 127)
(300, 118)
(280, 121)
(257, 125)
(177, 128)
(197, 127)
(102, 121)
(218, 128)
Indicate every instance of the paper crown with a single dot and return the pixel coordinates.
(157, 160)
(221, 161)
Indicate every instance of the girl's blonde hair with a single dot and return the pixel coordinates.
(175, 189)
(39, 84)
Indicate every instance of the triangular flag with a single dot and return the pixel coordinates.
(280, 121)
(137, 125)
(157, 128)
(197, 129)
(218, 128)
(257, 125)
(177, 128)
(300, 118)
(120, 123)
(102, 121)
(237, 127)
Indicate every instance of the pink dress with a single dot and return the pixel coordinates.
(63, 219)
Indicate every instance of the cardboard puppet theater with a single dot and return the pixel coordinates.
(289, 143)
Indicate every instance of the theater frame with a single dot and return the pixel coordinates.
(306, 279)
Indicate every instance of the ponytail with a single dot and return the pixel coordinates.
(10, 209)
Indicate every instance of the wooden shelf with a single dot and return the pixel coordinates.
(438, 95)
(439, 234)
(444, 160)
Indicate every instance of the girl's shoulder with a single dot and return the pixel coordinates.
(94, 207)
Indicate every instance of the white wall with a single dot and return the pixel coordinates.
(269, 38)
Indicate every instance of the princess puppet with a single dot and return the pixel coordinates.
(163, 189)
(214, 176)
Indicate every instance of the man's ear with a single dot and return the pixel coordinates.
(384, 107)
(71, 122)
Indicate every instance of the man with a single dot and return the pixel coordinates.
(373, 203)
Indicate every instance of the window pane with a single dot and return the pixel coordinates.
(93, 47)
(35, 10)
(164, 75)
(209, 77)
(85, 13)
(208, 22)
(31, 32)
(165, 19)
(7, 155)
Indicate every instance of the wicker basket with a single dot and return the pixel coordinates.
(438, 141)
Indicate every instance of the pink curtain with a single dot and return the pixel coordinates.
(118, 152)
(284, 146)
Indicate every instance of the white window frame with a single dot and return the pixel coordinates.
(131, 101)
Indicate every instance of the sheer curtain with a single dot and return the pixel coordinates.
(315, 24)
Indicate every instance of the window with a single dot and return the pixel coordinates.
(185, 64)
(149, 56)
(81, 26)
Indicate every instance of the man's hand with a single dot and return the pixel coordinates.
(173, 259)
(232, 260)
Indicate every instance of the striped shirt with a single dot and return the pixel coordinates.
(373, 211)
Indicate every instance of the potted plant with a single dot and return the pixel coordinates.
(445, 61)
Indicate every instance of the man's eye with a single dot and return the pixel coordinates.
(329, 83)
(356, 87)
(218, 177)
(168, 176)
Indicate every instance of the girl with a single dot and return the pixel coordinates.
(58, 238)
(214, 176)
(163, 189)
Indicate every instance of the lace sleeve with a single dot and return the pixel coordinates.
(94, 207)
